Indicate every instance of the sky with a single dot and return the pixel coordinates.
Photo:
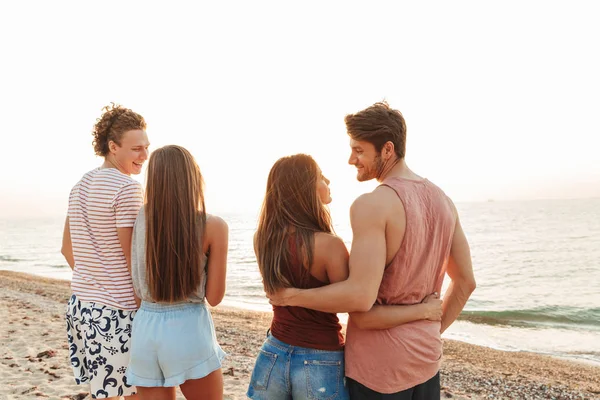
(501, 99)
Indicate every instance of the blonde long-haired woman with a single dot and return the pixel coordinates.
(179, 258)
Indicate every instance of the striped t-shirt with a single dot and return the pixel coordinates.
(102, 201)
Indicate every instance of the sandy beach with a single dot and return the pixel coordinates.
(34, 356)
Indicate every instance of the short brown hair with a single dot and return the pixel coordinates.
(378, 124)
(175, 224)
(112, 124)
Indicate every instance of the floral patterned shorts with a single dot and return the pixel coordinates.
(99, 346)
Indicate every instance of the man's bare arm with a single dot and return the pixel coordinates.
(460, 271)
(367, 262)
(67, 245)
(125, 237)
(386, 317)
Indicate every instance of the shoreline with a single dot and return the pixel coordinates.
(34, 356)
(228, 303)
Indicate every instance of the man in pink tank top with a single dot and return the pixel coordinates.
(406, 238)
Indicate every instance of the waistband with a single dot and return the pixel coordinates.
(273, 341)
(161, 307)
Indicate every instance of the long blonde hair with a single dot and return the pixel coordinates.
(175, 224)
(291, 207)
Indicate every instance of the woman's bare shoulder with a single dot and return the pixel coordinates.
(327, 243)
(215, 225)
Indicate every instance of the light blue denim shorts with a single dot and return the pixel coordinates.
(285, 372)
(171, 344)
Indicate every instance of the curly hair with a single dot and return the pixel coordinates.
(114, 122)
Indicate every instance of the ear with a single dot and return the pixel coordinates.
(388, 149)
(112, 146)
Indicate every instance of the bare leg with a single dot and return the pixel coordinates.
(132, 397)
(208, 388)
(155, 393)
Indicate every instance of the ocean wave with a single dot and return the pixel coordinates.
(10, 259)
(549, 315)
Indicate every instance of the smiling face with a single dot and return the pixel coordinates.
(366, 159)
(129, 157)
(323, 191)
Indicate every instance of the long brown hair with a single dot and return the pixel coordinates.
(175, 223)
(291, 206)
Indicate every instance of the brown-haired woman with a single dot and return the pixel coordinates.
(179, 258)
(103, 206)
(295, 246)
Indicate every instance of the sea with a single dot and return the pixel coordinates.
(537, 266)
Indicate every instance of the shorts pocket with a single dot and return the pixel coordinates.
(262, 370)
(323, 378)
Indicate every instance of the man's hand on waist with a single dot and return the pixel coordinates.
(283, 297)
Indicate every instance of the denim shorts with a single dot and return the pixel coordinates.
(291, 372)
(171, 344)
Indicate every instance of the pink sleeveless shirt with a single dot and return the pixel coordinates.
(396, 359)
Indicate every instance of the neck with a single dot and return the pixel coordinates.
(396, 168)
(110, 162)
